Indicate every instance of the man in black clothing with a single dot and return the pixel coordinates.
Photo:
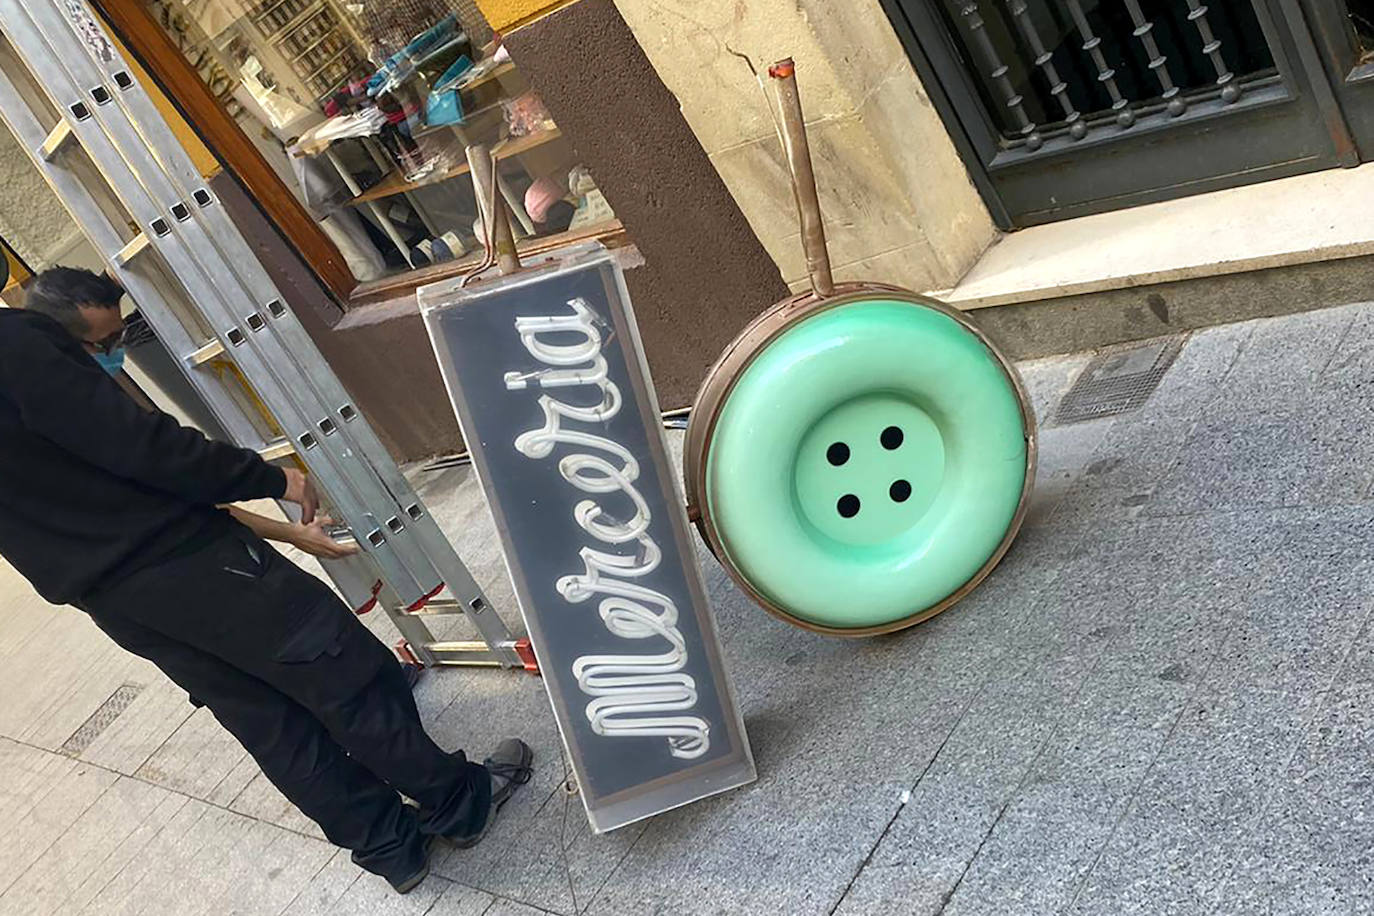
(114, 510)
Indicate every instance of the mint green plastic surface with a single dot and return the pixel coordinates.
(867, 464)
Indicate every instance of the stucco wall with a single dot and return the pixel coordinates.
(32, 220)
(898, 202)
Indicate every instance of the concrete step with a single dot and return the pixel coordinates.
(1275, 248)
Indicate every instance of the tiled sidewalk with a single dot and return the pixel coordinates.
(1160, 703)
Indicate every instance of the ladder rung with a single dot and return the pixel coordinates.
(279, 448)
(56, 137)
(136, 246)
(206, 353)
(439, 606)
(464, 653)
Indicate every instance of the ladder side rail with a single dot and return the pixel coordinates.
(96, 226)
(148, 121)
(49, 69)
(455, 573)
(355, 580)
(169, 153)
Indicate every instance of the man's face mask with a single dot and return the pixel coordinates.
(108, 351)
(112, 361)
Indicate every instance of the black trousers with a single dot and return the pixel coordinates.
(317, 700)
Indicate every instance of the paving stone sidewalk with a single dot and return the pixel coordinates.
(1161, 702)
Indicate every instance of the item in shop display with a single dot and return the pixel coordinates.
(274, 109)
(405, 217)
(456, 243)
(396, 140)
(580, 182)
(387, 73)
(443, 108)
(447, 247)
(441, 150)
(591, 210)
(400, 66)
(592, 207)
(322, 189)
(422, 255)
(430, 68)
(558, 218)
(861, 456)
(413, 112)
(381, 77)
(434, 37)
(453, 74)
(389, 107)
(345, 99)
(440, 251)
(526, 115)
(477, 71)
(346, 230)
(421, 170)
(542, 195)
(365, 123)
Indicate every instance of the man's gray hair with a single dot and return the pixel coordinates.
(61, 292)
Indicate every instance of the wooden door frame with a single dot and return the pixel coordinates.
(183, 86)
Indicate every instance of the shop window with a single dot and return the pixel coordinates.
(1361, 15)
(365, 109)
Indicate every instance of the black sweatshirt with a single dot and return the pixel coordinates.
(93, 487)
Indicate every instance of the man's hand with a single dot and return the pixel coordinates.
(313, 539)
(301, 491)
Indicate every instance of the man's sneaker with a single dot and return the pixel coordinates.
(510, 766)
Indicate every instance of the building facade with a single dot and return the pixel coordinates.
(336, 130)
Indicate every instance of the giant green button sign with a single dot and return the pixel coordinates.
(868, 463)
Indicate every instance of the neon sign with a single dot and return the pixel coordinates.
(548, 379)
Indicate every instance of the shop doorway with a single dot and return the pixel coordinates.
(1067, 107)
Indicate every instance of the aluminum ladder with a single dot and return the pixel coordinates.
(77, 108)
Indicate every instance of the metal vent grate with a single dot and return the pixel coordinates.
(101, 719)
(1118, 379)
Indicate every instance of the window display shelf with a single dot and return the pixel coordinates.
(396, 183)
(276, 34)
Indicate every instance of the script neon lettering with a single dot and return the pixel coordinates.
(644, 695)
